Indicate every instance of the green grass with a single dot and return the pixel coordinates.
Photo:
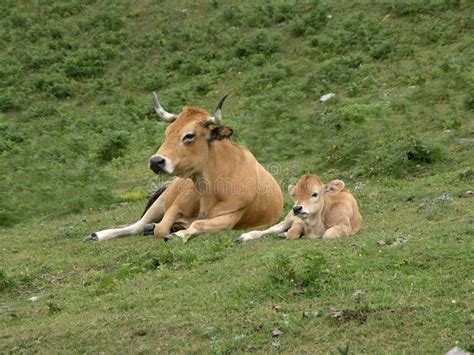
(77, 127)
(138, 294)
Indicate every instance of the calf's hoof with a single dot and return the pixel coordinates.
(177, 235)
(92, 237)
(170, 236)
(149, 229)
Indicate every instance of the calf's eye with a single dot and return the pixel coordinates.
(314, 194)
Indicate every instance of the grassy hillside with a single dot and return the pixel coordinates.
(77, 128)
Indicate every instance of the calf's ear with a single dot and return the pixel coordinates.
(334, 186)
(219, 133)
(290, 189)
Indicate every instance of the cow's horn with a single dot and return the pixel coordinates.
(217, 118)
(165, 116)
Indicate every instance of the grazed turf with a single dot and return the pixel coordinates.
(77, 127)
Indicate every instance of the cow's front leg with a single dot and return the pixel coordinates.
(160, 230)
(153, 214)
(224, 222)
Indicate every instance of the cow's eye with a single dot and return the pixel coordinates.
(314, 194)
(189, 137)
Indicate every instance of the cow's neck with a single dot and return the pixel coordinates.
(219, 166)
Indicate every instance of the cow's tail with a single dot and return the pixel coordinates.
(155, 196)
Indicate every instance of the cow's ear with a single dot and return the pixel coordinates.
(290, 189)
(334, 186)
(219, 132)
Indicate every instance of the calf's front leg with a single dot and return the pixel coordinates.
(276, 229)
(296, 230)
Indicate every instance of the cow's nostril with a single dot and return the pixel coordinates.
(297, 209)
(157, 163)
(154, 161)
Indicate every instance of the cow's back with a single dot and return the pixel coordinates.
(356, 219)
(340, 207)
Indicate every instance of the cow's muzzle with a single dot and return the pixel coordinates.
(157, 164)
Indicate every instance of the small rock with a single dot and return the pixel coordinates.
(465, 141)
(357, 295)
(444, 197)
(326, 97)
(311, 314)
(121, 204)
(34, 299)
(399, 242)
(468, 194)
(337, 314)
(277, 332)
(381, 243)
(329, 17)
(457, 351)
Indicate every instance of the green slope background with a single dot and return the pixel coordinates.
(77, 127)
(77, 77)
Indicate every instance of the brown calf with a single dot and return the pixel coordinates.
(320, 211)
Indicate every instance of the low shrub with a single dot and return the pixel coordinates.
(303, 272)
(260, 43)
(404, 8)
(114, 146)
(85, 62)
(7, 101)
(54, 84)
(6, 281)
(420, 151)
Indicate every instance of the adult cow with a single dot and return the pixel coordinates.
(219, 185)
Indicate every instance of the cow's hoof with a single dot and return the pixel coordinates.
(238, 241)
(149, 229)
(281, 235)
(92, 237)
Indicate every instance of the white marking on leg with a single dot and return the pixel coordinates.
(250, 236)
(134, 229)
(276, 229)
(154, 214)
